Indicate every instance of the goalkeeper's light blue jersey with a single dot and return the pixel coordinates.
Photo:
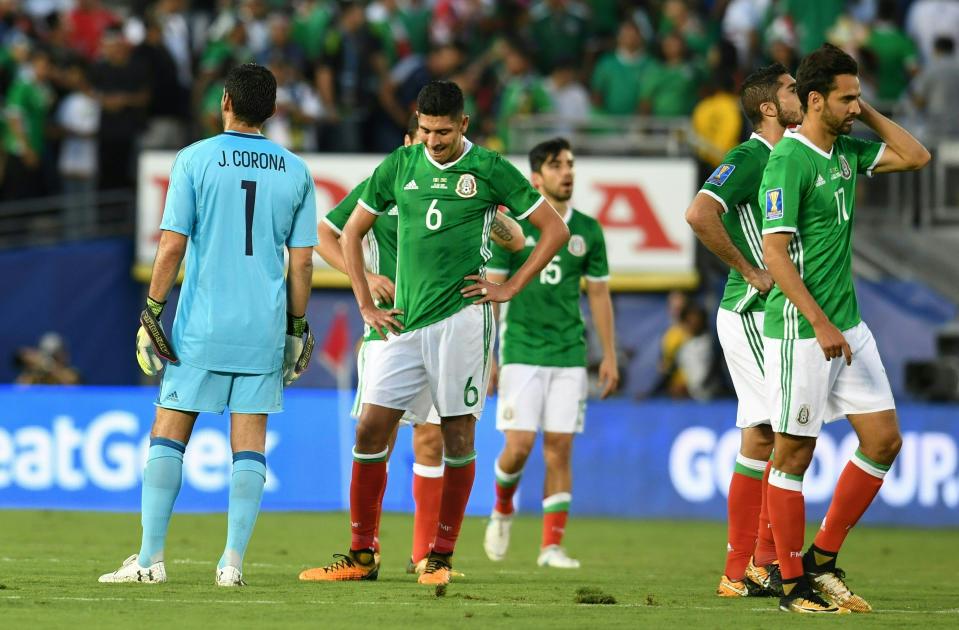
(239, 198)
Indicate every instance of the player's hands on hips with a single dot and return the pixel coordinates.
(608, 376)
(832, 342)
(487, 291)
(381, 288)
(381, 320)
(761, 280)
(298, 348)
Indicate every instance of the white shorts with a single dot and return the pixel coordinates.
(369, 355)
(806, 390)
(539, 398)
(449, 359)
(740, 335)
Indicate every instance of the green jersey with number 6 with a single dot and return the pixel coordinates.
(445, 212)
(812, 195)
(735, 185)
(381, 240)
(543, 324)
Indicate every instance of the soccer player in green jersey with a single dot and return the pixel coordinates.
(821, 360)
(440, 329)
(542, 382)
(728, 220)
(381, 275)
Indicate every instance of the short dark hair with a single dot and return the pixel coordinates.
(413, 125)
(818, 71)
(440, 98)
(252, 88)
(544, 151)
(944, 44)
(760, 87)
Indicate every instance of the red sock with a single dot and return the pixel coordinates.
(765, 545)
(379, 512)
(787, 514)
(555, 513)
(457, 485)
(427, 495)
(857, 487)
(506, 485)
(366, 488)
(742, 507)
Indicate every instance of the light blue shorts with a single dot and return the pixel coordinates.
(189, 388)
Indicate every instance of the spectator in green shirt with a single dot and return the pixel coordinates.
(523, 91)
(894, 52)
(672, 87)
(559, 29)
(619, 75)
(28, 102)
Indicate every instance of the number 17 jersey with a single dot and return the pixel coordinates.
(239, 198)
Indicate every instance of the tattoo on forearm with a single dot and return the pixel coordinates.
(501, 231)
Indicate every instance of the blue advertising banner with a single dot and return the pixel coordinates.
(83, 448)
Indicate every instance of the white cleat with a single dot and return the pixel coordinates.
(555, 556)
(496, 540)
(131, 571)
(229, 576)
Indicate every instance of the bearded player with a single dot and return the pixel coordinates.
(728, 220)
(543, 381)
(821, 361)
(440, 330)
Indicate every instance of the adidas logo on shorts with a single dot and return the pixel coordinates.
(172, 397)
(411, 185)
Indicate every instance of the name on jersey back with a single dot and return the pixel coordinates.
(252, 159)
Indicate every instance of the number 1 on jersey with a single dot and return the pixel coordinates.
(250, 188)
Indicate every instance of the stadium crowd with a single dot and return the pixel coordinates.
(87, 83)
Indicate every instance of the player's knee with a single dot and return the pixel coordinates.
(793, 455)
(519, 444)
(883, 448)
(369, 439)
(428, 450)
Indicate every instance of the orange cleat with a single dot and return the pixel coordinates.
(354, 566)
(439, 569)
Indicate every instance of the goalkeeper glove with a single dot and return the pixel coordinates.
(152, 342)
(299, 348)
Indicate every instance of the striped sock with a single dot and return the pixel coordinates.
(555, 514)
(742, 506)
(427, 495)
(857, 487)
(765, 545)
(506, 486)
(162, 478)
(787, 514)
(457, 484)
(246, 493)
(366, 488)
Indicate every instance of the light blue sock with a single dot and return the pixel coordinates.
(246, 491)
(161, 483)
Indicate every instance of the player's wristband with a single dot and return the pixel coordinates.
(295, 326)
(155, 307)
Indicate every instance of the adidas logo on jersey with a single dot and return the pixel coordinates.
(819, 181)
(411, 185)
(530, 241)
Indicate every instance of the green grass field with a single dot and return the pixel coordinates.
(661, 573)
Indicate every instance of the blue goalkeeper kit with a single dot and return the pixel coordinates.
(239, 198)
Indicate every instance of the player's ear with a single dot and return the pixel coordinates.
(464, 125)
(768, 109)
(537, 179)
(226, 103)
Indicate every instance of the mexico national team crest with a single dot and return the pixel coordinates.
(844, 166)
(774, 204)
(466, 186)
(577, 245)
(803, 417)
(721, 174)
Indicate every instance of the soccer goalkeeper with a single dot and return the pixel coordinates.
(240, 330)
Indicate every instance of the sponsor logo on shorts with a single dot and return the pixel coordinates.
(577, 245)
(508, 414)
(466, 186)
(844, 165)
(172, 397)
(803, 417)
(774, 204)
(721, 174)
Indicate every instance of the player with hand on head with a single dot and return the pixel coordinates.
(543, 381)
(441, 328)
(240, 330)
(726, 217)
(821, 361)
(381, 275)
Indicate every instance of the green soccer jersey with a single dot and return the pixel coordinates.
(543, 325)
(445, 212)
(735, 185)
(812, 194)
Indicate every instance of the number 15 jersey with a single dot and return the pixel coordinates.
(239, 198)
(445, 212)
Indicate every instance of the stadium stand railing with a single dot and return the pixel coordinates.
(58, 218)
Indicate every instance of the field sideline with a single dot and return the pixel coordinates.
(660, 572)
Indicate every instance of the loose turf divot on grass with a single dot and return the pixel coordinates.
(593, 595)
(440, 590)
